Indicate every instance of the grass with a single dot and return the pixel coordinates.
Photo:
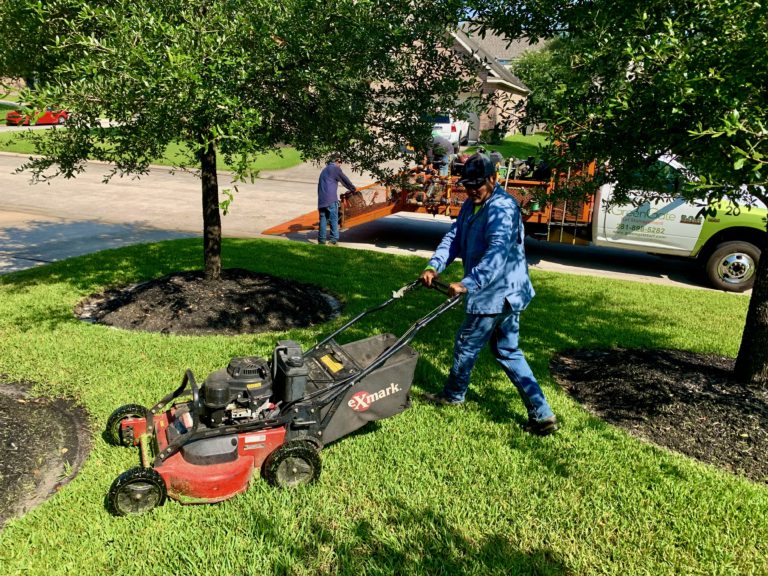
(5, 106)
(430, 491)
(516, 146)
(286, 158)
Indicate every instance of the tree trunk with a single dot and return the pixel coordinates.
(752, 361)
(211, 214)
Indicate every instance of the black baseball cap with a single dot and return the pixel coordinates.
(477, 169)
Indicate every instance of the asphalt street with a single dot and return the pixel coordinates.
(45, 222)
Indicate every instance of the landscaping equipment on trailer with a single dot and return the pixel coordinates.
(203, 444)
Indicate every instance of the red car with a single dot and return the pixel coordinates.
(22, 118)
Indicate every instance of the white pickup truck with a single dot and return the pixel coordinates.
(454, 130)
(726, 239)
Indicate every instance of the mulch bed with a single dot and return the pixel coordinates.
(242, 302)
(686, 402)
(43, 444)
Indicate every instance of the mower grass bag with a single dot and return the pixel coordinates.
(203, 444)
(383, 393)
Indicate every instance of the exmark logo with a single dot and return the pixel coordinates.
(361, 401)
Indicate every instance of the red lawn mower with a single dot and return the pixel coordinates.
(202, 444)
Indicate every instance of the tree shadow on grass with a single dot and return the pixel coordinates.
(360, 279)
(113, 267)
(364, 274)
(422, 541)
(552, 323)
(363, 279)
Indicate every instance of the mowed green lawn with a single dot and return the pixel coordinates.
(174, 154)
(516, 146)
(6, 107)
(430, 491)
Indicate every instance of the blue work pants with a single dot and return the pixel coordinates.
(329, 214)
(502, 331)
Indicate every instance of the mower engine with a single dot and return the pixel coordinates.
(241, 391)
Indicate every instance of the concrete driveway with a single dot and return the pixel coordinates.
(46, 222)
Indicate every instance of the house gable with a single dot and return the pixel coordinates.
(496, 74)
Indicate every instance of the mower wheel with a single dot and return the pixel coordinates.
(309, 440)
(114, 432)
(292, 464)
(136, 491)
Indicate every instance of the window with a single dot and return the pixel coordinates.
(659, 177)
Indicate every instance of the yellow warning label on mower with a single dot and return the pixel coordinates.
(253, 385)
(331, 364)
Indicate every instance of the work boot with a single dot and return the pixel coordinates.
(543, 427)
(440, 400)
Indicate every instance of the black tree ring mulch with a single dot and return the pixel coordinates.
(242, 302)
(43, 444)
(686, 402)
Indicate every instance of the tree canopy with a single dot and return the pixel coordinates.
(626, 82)
(356, 77)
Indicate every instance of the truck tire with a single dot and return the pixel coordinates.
(733, 265)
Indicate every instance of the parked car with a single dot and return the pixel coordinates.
(22, 117)
(454, 130)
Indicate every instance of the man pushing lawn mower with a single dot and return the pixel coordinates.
(488, 236)
(203, 444)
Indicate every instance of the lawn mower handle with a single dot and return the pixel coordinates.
(189, 379)
(406, 338)
(396, 295)
(440, 287)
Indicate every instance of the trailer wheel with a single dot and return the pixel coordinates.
(114, 432)
(136, 491)
(292, 464)
(732, 266)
